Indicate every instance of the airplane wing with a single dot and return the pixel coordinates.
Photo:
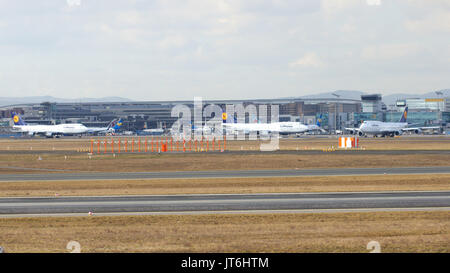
(418, 129)
(352, 130)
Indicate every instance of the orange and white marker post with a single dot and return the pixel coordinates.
(348, 142)
(224, 142)
(112, 145)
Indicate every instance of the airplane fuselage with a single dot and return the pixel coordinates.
(278, 127)
(382, 128)
(50, 130)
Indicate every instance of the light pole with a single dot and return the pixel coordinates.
(335, 112)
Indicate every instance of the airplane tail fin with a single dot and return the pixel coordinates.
(319, 121)
(115, 124)
(17, 119)
(405, 115)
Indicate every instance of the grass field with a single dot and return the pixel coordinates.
(309, 143)
(320, 232)
(228, 185)
(315, 232)
(203, 161)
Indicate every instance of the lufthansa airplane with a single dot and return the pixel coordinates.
(379, 128)
(47, 130)
(283, 128)
(113, 126)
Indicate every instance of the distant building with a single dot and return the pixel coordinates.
(371, 103)
(419, 104)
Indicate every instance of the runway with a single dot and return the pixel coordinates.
(62, 176)
(225, 202)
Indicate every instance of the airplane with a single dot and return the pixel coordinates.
(384, 129)
(155, 131)
(113, 126)
(47, 130)
(283, 128)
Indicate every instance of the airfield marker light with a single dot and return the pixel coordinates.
(112, 145)
(184, 145)
(218, 144)
(171, 144)
(196, 145)
(190, 145)
(132, 144)
(98, 146)
(126, 145)
(118, 144)
(176, 142)
(207, 145)
(146, 144)
(139, 144)
(213, 143)
(152, 144)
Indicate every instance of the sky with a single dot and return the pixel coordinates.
(222, 49)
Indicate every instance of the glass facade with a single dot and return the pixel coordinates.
(426, 104)
(420, 118)
(360, 117)
(446, 117)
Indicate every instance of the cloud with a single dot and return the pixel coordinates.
(389, 51)
(181, 48)
(338, 6)
(436, 22)
(310, 59)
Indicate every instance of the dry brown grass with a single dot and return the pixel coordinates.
(228, 185)
(318, 143)
(327, 232)
(203, 161)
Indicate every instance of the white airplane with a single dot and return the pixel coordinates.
(283, 128)
(47, 130)
(113, 126)
(155, 131)
(383, 129)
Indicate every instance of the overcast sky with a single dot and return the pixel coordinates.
(222, 49)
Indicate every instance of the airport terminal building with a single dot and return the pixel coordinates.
(334, 113)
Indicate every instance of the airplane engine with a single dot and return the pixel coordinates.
(417, 131)
(360, 133)
(49, 135)
(397, 133)
(351, 132)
